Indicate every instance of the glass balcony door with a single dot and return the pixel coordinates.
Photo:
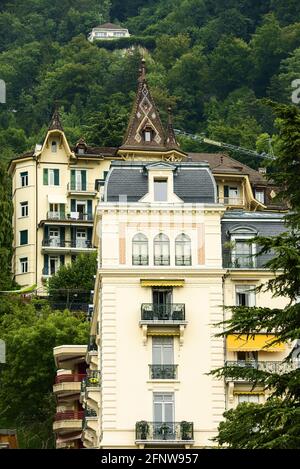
(54, 237)
(162, 303)
(163, 409)
(81, 238)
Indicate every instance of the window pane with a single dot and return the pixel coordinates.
(160, 190)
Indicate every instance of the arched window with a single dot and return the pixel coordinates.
(54, 146)
(242, 250)
(183, 253)
(140, 250)
(161, 250)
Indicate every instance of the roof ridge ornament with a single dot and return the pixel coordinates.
(55, 123)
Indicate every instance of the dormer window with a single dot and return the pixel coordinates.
(54, 146)
(160, 190)
(148, 134)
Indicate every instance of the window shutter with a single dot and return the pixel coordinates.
(90, 209)
(56, 177)
(46, 232)
(23, 237)
(89, 234)
(226, 191)
(73, 233)
(45, 177)
(62, 235)
(83, 180)
(73, 205)
(46, 264)
(62, 209)
(73, 179)
(62, 260)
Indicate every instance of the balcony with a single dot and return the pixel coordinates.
(163, 371)
(183, 260)
(68, 385)
(161, 260)
(266, 366)
(159, 433)
(232, 201)
(140, 260)
(68, 421)
(62, 245)
(244, 261)
(92, 351)
(90, 390)
(70, 216)
(163, 314)
(78, 187)
(89, 428)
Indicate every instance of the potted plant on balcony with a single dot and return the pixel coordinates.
(142, 429)
(94, 380)
(185, 430)
(164, 430)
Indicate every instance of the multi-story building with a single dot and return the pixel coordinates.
(71, 371)
(55, 191)
(172, 233)
(108, 32)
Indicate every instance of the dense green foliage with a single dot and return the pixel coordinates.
(80, 275)
(212, 60)
(26, 399)
(6, 235)
(275, 424)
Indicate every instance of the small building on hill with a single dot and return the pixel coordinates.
(108, 31)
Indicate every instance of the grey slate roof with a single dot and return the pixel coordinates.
(193, 182)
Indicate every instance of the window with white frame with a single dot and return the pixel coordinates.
(163, 408)
(54, 146)
(243, 249)
(24, 265)
(160, 189)
(24, 178)
(161, 250)
(254, 398)
(140, 254)
(245, 295)
(24, 209)
(260, 195)
(183, 254)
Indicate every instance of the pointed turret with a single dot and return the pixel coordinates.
(55, 123)
(145, 130)
(171, 140)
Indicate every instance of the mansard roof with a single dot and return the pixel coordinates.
(193, 182)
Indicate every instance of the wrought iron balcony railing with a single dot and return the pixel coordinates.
(161, 260)
(87, 414)
(168, 312)
(59, 243)
(140, 260)
(268, 366)
(81, 187)
(183, 260)
(244, 261)
(164, 431)
(163, 371)
(70, 216)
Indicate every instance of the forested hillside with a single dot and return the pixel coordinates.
(212, 60)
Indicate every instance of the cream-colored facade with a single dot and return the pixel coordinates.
(127, 336)
(55, 193)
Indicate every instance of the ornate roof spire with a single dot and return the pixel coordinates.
(145, 130)
(55, 123)
(171, 140)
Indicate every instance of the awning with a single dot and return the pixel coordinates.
(242, 343)
(248, 392)
(162, 283)
(57, 199)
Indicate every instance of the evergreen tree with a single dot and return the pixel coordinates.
(275, 424)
